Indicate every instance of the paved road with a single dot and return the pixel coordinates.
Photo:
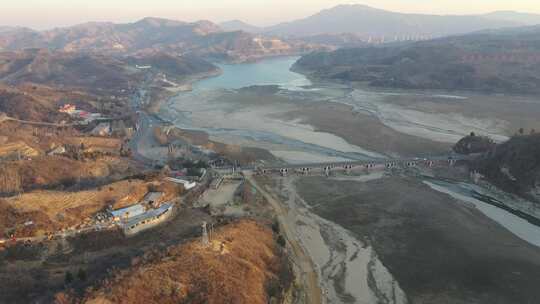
(302, 259)
(143, 139)
(36, 123)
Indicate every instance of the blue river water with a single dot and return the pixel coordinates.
(275, 71)
(211, 107)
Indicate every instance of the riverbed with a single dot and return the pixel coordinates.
(265, 105)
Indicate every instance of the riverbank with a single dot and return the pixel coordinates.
(439, 115)
(169, 92)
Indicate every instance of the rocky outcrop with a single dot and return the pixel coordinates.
(514, 166)
(473, 144)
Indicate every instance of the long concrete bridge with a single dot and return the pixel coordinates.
(349, 166)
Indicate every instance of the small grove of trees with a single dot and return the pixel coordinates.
(473, 144)
(521, 132)
(182, 163)
(281, 241)
(81, 275)
(70, 278)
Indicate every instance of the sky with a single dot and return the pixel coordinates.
(45, 14)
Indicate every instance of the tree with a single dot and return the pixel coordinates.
(68, 279)
(533, 131)
(193, 172)
(281, 241)
(521, 131)
(275, 226)
(81, 275)
(473, 134)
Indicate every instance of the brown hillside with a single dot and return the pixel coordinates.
(241, 271)
(90, 72)
(29, 101)
(53, 210)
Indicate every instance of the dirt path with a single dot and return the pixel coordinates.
(302, 259)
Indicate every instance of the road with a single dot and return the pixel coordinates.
(143, 140)
(36, 123)
(302, 259)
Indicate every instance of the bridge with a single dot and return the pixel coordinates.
(349, 166)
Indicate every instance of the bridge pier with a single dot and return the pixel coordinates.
(391, 165)
(411, 164)
(305, 171)
(326, 171)
(347, 168)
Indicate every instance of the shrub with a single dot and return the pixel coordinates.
(281, 241)
(81, 275)
(68, 279)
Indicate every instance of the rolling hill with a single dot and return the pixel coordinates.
(502, 61)
(523, 18)
(202, 38)
(93, 72)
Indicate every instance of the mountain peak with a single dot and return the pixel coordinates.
(239, 25)
(348, 8)
(159, 22)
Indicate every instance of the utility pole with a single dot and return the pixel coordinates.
(205, 241)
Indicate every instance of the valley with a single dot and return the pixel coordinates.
(356, 155)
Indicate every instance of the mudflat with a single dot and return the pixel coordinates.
(440, 250)
(365, 130)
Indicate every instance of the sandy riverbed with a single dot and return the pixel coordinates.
(348, 268)
(438, 249)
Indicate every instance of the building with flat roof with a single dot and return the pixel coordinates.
(148, 219)
(128, 212)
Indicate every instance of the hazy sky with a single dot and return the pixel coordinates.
(42, 14)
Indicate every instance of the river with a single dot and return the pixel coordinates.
(274, 120)
(219, 107)
(275, 71)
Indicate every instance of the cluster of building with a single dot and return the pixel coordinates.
(141, 216)
(84, 116)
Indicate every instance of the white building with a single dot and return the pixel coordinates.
(187, 184)
(128, 212)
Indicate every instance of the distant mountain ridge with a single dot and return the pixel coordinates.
(235, 40)
(201, 38)
(368, 21)
(365, 21)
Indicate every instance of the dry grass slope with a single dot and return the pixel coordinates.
(240, 271)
